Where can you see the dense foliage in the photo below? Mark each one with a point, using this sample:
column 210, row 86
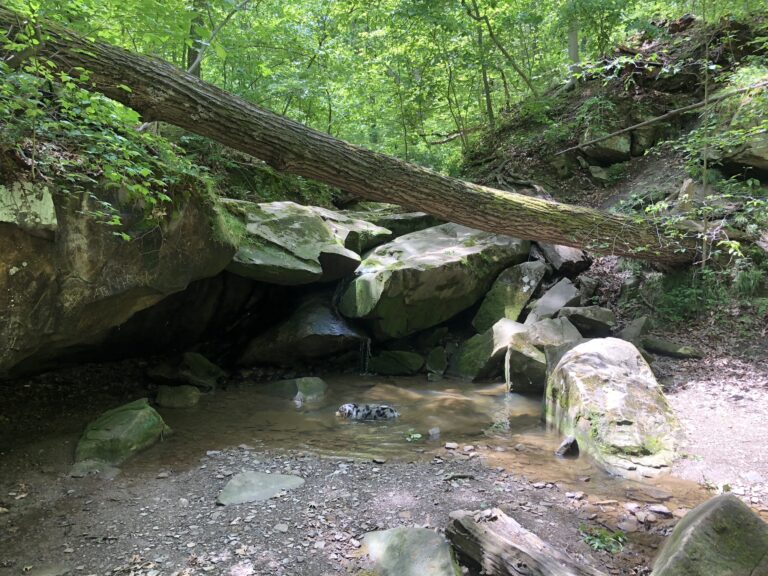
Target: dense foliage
column 415, row 78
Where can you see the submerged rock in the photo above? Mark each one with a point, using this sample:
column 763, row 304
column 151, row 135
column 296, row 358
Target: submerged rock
column 604, row 394
column 410, row 552
column 721, row 537
column 396, row 363
column 177, row 396
column 256, row 487
column 121, row 432
column 308, row 388
column 509, row 294
column 422, row 279
column 288, row 244
column 314, row 330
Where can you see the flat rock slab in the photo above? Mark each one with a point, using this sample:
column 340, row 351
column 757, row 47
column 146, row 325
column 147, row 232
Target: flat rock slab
column 256, row 487
column 562, row 294
column 410, row 552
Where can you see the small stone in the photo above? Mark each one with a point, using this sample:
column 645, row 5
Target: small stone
column 575, row 495
column 379, row 460
column 68, row 550
column 319, row 545
column 191, row 544
column 660, row 510
column 680, row 512
column 183, row 502
column 539, row 485
column 3, row 510
column 469, row 448
column 162, row 475
column 650, row 518
column 282, row 528
column 629, row 525
column 451, row 445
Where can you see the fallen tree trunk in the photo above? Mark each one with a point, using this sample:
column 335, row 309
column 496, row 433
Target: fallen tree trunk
column 161, row 92
column 502, row 547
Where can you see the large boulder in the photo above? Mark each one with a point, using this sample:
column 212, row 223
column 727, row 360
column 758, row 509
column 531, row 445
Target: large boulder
column 288, row 244
column 410, row 552
column 313, row 330
column 66, row 280
column 422, row 279
column 609, row 151
column 604, row 394
column 509, row 294
column 121, row 432
column 356, row 233
column 721, row 537
column 590, row 320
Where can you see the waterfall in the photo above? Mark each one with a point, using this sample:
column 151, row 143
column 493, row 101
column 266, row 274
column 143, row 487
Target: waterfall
column 507, row 370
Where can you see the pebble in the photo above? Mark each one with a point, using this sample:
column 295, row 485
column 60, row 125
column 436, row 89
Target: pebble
column 451, row 445
column 575, row 495
column 539, row 485
column 281, row 528
column 469, row 448
column 163, row 475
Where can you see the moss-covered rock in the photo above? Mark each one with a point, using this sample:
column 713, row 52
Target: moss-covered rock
column 509, row 294
column 422, row 279
column 668, row 348
column 288, row 244
column 437, row 361
column 396, row 363
column 121, row 432
column 721, row 537
column 314, row 330
column 604, row 394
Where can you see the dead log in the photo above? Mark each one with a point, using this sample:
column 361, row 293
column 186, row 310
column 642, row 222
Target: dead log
column 502, row 547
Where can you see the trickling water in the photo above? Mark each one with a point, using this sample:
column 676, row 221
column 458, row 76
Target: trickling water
column 508, row 369
column 365, row 355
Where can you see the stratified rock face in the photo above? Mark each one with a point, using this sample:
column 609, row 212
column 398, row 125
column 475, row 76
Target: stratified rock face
column 410, row 552
column 313, row 331
column 422, row 279
column 121, row 432
column 69, row 289
column 288, row 244
column 509, row 294
column 604, row 394
column 721, row 537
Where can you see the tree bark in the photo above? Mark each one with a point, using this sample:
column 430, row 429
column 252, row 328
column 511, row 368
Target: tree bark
column 160, row 91
column 502, row 547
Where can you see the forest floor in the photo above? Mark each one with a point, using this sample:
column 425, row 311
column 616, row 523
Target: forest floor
column 162, row 519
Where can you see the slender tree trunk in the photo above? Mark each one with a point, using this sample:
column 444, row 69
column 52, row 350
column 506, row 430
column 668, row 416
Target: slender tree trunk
column 484, row 72
column 194, row 48
column 160, row 91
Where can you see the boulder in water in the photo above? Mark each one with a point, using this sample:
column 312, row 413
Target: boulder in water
column 396, row 363
column 604, row 394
